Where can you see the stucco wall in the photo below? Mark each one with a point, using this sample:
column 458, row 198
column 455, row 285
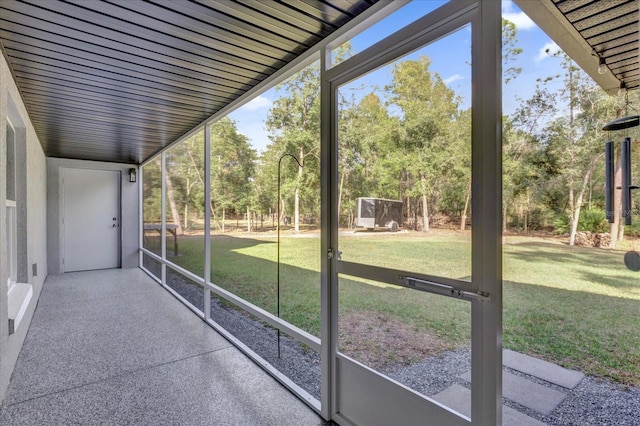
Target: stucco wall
column 129, row 224
column 32, row 190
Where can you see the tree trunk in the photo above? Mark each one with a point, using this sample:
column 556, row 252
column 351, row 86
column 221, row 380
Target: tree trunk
column 573, row 224
column 296, row 210
column 463, row 222
column 425, row 205
column 526, row 215
column 282, row 211
column 186, row 215
column 172, row 204
column 340, row 196
column 248, row 220
column 504, row 216
column 223, row 219
column 296, row 201
column 197, row 169
column 578, row 205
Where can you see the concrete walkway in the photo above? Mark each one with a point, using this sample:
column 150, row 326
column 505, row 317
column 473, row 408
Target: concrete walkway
column 113, row 347
column 534, row 384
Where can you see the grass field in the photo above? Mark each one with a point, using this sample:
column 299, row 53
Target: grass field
column 579, row 307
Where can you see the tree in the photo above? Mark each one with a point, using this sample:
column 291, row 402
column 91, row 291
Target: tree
column 363, row 129
column 185, row 180
column 421, row 148
column 526, row 166
column 576, row 141
column 233, row 163
column 294, row 126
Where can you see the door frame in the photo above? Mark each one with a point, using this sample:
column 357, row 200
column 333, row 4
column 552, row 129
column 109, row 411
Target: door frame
column 486, row 316
column 61, row 216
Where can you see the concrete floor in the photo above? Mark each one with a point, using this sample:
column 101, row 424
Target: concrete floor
column 113, row 347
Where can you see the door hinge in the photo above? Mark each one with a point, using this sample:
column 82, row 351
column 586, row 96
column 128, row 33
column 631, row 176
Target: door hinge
column 330, row 254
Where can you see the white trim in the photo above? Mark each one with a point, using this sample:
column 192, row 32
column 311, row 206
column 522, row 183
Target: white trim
column 282, row 378
column 140, row 214
column 207, row 219
column 12, row 243
column 355, row 30
column 19, row 296
column 163, row 216
column 297, row 333
column 11, row 212
column 328, row 240
column 486, row 200
column 446, row 19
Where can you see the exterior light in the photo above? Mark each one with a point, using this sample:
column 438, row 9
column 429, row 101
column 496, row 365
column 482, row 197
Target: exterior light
column 132, row 175
column 602, row 65
column 622, row 89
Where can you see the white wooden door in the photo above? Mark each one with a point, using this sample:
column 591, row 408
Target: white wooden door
column 90, row 219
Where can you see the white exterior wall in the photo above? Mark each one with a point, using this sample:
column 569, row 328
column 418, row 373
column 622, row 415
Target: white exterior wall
column 32, row 186
column 129, row 200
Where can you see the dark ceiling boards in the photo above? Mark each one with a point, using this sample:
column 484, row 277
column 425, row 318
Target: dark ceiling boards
column 119, row 80
column 610, row 27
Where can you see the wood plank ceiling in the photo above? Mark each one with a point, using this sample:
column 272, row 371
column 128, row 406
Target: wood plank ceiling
column 611, row 29
column 119, row 80
column 588, row 30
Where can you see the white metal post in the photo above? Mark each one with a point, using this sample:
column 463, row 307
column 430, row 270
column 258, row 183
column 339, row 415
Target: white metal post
column 486, row 324
column 163, row 216
column 140, row 216
column 328, row 245
column 207, row 219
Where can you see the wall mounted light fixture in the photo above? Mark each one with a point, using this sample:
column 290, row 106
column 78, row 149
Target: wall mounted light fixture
column 132, row 175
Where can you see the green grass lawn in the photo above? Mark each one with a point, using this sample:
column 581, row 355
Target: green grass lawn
column 575, row 306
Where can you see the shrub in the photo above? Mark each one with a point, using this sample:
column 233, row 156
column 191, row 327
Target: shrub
column 591, row 220
column 561, row 224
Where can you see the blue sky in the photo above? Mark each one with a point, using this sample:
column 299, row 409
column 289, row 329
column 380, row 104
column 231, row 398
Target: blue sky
column 450, row 58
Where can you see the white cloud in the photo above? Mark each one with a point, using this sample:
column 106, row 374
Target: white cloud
column 256, row 103
column 256, row 133
column 453, row 78
column 519, row 18
column 547, row 50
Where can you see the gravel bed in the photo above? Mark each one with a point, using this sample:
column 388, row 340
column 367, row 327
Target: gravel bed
column 297, row 362
column 594, row 402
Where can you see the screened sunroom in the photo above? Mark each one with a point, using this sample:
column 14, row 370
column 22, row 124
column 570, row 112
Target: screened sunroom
column 181, row 183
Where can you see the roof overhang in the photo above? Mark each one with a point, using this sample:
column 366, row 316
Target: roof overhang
column 120, row 81
column 589, row 29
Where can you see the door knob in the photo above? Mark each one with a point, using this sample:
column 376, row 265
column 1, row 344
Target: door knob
column 115, row 218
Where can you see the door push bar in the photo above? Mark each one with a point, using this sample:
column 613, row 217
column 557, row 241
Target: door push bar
column 444, row 289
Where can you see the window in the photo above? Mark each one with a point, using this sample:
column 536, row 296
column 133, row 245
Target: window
column 10, row 203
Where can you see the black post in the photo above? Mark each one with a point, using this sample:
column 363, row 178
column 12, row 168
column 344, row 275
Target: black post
column 609, row 183
column 625, row 158
column 278, row 244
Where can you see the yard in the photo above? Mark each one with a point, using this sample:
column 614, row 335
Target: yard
column 574, row 306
